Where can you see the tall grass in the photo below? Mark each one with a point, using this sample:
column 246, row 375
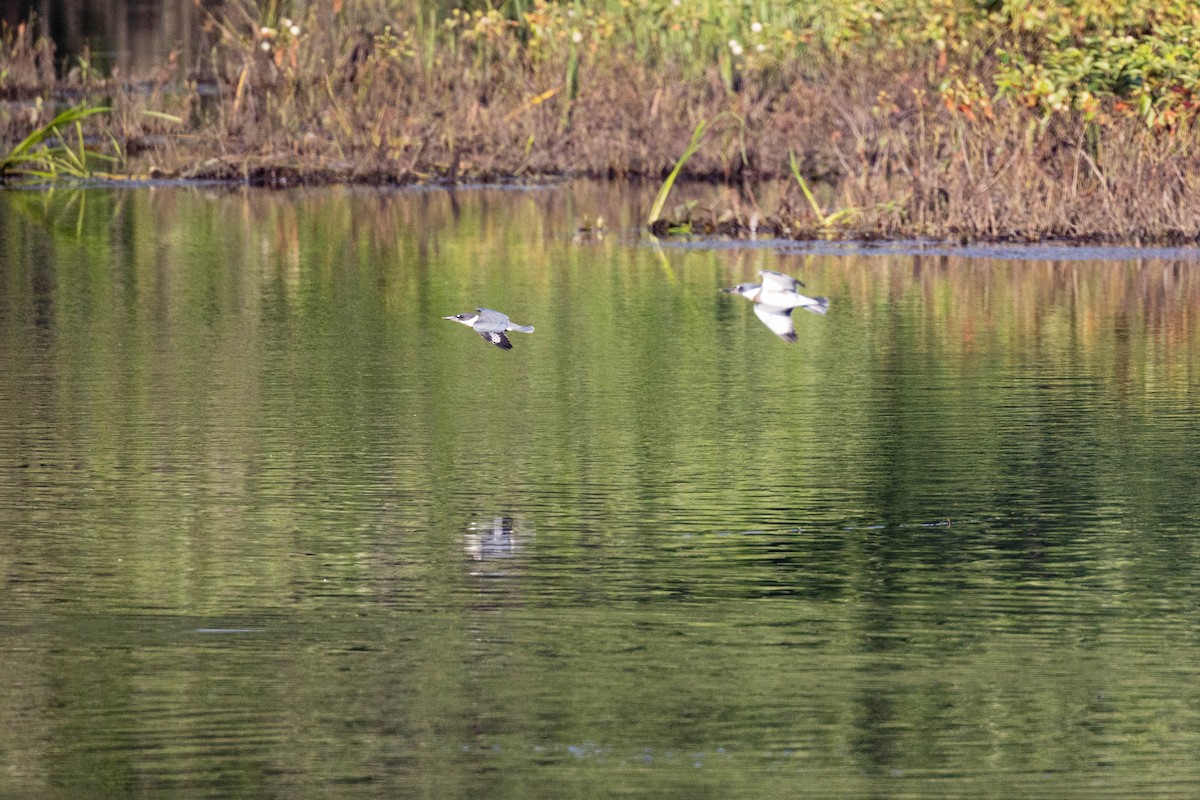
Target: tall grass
column 664, row 191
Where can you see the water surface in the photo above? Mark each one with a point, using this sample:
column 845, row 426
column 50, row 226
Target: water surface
column 269, row 526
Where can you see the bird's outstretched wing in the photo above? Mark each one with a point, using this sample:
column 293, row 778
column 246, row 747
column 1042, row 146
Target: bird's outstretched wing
column 497, row 338
column 778, row 282
column 779, row 320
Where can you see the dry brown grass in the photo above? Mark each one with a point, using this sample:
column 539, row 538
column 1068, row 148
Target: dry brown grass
column 903, row 164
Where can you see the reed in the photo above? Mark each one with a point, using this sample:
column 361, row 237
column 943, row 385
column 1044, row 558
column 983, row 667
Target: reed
column 46, row 154
column 664, row 191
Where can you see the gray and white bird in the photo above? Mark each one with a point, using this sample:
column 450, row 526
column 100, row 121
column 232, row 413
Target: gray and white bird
column 491, row 325
column 774, row 300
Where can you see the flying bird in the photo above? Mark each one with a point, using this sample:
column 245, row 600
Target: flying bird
column 774, row 300
column 491, row 325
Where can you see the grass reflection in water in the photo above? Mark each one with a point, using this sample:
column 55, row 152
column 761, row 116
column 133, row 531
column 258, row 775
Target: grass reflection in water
column 270, row 526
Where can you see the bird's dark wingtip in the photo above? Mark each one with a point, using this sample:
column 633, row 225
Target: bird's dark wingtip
column 498, row 339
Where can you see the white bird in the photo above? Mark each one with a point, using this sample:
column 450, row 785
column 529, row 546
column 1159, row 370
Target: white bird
column 491, row 325
column 774, row 300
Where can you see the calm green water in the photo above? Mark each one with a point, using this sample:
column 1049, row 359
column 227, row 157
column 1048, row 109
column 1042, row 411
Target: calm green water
column 270, row 527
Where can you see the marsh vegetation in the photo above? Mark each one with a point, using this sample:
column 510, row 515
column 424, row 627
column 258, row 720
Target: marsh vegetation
column 943, row 118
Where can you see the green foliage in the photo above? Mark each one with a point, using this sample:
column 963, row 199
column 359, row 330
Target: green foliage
column 46, row 155
column 1153, row 76
column 1104, row 60
column 661, row 199
column 1100, row 58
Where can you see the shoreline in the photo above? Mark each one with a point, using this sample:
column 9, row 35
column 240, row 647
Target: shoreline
column 729, row 233
column 1122, row 204
column 934, row 137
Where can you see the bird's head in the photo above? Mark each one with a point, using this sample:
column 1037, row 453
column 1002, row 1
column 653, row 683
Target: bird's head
column 744, row 289
column 467, row 318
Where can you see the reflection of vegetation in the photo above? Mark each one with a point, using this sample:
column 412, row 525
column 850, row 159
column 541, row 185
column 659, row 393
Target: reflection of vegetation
column 237, row 408
column 315, row 298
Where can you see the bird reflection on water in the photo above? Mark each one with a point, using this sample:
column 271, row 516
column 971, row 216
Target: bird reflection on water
column 496, row 539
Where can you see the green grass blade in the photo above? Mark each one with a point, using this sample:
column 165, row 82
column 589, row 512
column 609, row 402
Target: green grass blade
column 661, row 199
column 845, row 213
column 66, row 117
column 30, row 152
column 163, row 115
column 822, row 220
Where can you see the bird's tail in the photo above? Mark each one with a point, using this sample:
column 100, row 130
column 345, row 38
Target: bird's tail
column 522, row 328
column 817, row 305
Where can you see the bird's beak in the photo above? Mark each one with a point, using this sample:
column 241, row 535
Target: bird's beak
column 450, row 317
column 730, row 290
